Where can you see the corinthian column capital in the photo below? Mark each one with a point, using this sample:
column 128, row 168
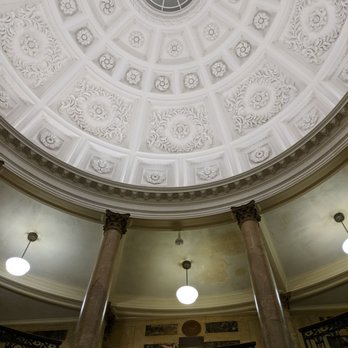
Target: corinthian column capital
column 116, row 221
column 246, row 212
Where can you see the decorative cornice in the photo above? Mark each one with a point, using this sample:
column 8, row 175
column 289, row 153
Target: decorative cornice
column 305, row 158
column 116, row 221
column 246, row 212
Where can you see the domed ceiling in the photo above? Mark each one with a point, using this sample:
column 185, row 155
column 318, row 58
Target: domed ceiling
column 170, row 93
column 161, row 104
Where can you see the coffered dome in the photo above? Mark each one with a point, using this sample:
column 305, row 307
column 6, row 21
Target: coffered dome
column 164, row 94
column 174, row 111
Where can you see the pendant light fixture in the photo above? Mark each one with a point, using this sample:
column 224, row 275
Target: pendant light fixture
column 187, row 294
column 339, row 217
column 18, row 266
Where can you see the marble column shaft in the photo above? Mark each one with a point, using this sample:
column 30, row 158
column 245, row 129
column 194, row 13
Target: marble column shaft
column 269, row 308
column 89, row 327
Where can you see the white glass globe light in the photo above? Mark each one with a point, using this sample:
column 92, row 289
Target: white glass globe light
column 345, row 246
column 187, row 294
column 17, row 266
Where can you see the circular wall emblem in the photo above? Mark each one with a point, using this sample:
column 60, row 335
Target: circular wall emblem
column 191, row 328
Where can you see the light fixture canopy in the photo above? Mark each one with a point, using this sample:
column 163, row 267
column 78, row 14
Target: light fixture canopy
column 179, row 240
column 18, row 266
column 187, row 294
column 339, row 217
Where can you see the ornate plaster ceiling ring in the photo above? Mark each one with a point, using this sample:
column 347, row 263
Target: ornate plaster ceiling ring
column 168, row 5
column 168, row 12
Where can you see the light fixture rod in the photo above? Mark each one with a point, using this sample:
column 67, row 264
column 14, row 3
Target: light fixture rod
column 186, row 265
column 25, row 250
column 32, row 237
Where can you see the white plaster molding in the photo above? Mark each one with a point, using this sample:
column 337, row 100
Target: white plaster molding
column 263, row 182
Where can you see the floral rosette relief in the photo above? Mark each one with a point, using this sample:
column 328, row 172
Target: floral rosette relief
column 208, row 173
column 107, row 6
column 155, row 177
column 308, row 121
column 260, row 154
column 30, row 45
column 259, row 98
column 315, row 27
column 4, row 100
column 178, row 130
column 101, row 165
column 50, row 140
column 68, row 7
column 97, row 111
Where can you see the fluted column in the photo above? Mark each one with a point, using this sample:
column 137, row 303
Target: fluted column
column 274, row 330
column 88, row 332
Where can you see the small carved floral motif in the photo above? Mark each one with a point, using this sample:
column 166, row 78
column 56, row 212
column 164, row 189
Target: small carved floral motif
column 30, row 45
column 101, row 166
column 136, row 39
column 261, row 154
column 107, row 6
column 162, row 83
column 308, row 121
column 261, row 20
column 318, row 19
column 191, row 80
column 155, row 177
column 243, row 49
column 180, row 130
column 68, row 7
column 177, row 130
column 107, row 61
column 175, row 48
column 4, row 100
column 208, row 173
column 49, row 139
column 133, row 76
column 259, row 99
column 84, row 36
column 97, row 111
column 211, row 31
column 218, row 69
